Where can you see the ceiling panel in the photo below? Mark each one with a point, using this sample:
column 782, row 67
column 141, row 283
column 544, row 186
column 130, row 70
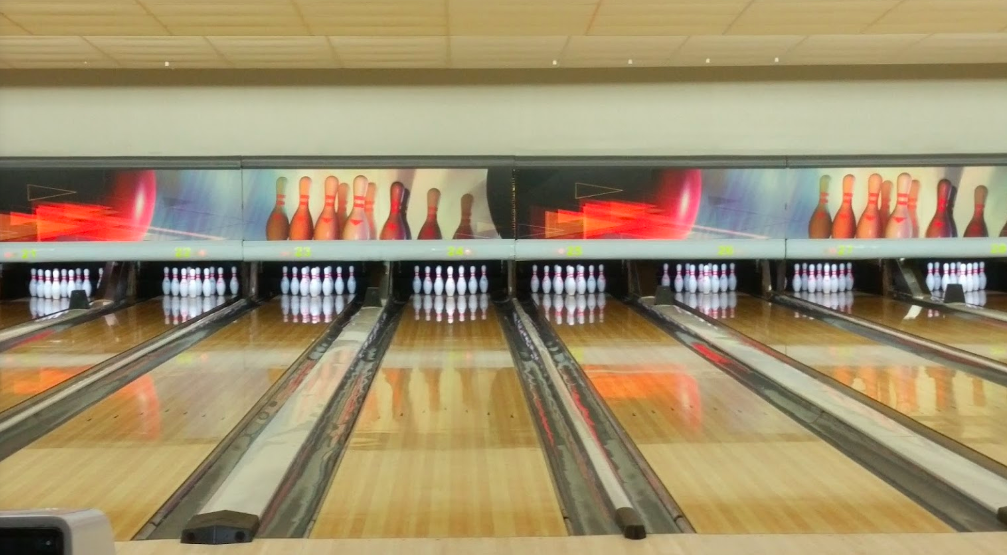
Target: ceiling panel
column 498, row 33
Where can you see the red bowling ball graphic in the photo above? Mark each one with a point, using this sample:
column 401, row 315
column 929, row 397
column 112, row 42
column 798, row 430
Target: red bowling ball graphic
column 678, row 193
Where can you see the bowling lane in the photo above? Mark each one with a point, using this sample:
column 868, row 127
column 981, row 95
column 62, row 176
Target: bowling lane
column 444, row 445
column 14, row 312
column 128, row 453
column 993, row 300
column 733, row 462
column 968, row 334
column 965, row 408
column 31, row 368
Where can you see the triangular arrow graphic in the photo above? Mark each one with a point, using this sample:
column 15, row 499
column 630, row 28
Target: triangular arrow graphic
column 587, row 190
column 41, row 192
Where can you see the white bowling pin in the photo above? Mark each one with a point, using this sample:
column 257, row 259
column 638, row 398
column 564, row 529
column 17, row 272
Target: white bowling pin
column 438, row 282
column 714, row 279
column 87, row 282
column 982, row 278
column 208, row 284
column 428, row 284
column 195, row 283
column 826, row 282
column 557, row 280
column 219, row 287
column 692, row 284
column 849, row 278
column 64, row 290
column 174, row 282
column 285, row 282
column 165, row 283
column 473, row 284
column 796, row 282
column 295, row 283
column 79, row 284
column 581, row 282
column 46, row 284
column 340, row 285
column 327, row 281
column 183, row 285
column 592, row 283
column 679, row 281
column 315, row 285
column 930, row 276
column 449, row 286
column 305, row 281
column 570, row 284
column 546, row 282
column 812, row 284
column 351, row 283
column 665, row 278
column 461, row 286
column 484, row 285
column 602, row 282
column 835, row 279
column 417, row 282
column 233, row 284
column 723, row 277
column 534, row 278
column 33, row 284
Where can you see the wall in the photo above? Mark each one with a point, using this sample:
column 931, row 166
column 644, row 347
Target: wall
column 683, row 112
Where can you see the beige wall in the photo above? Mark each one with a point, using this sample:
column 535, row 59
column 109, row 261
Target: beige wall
column 774, row 111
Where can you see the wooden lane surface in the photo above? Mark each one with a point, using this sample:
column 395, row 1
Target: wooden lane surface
column 14, row 312
column 128, row 453
column 978, row 543
column 995, row 301
column 965, row 408
column 444, row 446
column 734, row 463
column 33, row 367
column 974, row 336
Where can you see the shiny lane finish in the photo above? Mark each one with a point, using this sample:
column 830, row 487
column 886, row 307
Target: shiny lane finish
column 967, row 409
column 445, row 445
column 963, row 332
column 34, row 367
column 733, row 462
column 127, row 454
column 14, row 312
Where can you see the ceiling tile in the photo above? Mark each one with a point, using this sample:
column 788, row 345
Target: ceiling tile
column 943, row 16
column 606, row 51
column 809, row 16
column 520, row 17
column 370, row 17
column 849, row 49
column 28, row 51
column 734, row 49
column 505, row 51
column 390, row 52
column 958, row 48
column 655, row 17
column 8, row 27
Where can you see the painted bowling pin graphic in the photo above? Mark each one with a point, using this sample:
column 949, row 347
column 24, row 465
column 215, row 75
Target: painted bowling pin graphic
column 914, row 197
column 301, row 226
column 405, row 213
column 326, row 227
column 820, row 225
column 844, row 225
column 277, row 226
column 356, row 223
column 464, row 230
column 431, row 229
column 341, row 198
column 977, row 225
column 951, row 210
column 900, row 224
column 940, row 225
column 394, row 228
column 870, row 220
column 372, row 227
column 885, row 208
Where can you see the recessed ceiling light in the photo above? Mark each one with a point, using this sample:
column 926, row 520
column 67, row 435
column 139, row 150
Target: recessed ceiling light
column 708, row 60
column 630, row 61
column 167, row 64
column 555, row 62
column 85, row 62
column 776, row 60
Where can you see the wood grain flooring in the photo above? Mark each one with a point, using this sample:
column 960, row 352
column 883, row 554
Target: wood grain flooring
column 733, row 462
column 127, row 454
column 445, row 445
column 14, row 312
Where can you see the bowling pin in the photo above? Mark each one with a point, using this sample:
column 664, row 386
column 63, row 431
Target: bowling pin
column 63, row 288
column 484, row 285
column 796, row 282
column 546, row 282
column 208, row 284
column 339, row 286
column 900, row 226
column 914, row 195
column 220, row 288
column 691, row 283
column 431, row 229
column 325, row 227
column 183, row 286
column 175, row 285
column 372, row 226
column 394, row 229
column 844, row 225
column 277, row 226
column 570, row 284
column 285, row 282
column 295, row 283
column 464, row 230
column 665, row 278
column 870, row 219
column 33, row 284
column 315, row 285
column 820, row 224
column 723, row 277
column 982, row 276
column 449, row 283
column 417, row 282
column 79, row 284
column 472, row 282
column 835, row 279
column 602, row 282
column 714, row 279
column 930, row 276
column 940, row 226
column 301, row 225
column 849, row 276
column 460, row 286
column 946, row 277
column 557, row 280
column 195, row 283
column 406, row 193
column 438, row 281
column 233, row 284
column 977, row 225
column 534, row 278
column 581, row 282
column 87, row 282
column 327, row 281
column 305, row 281
column 428, row 284
column 165, row 283
column 885, row 209
column 356, row 223
column 812, row 280
column 732, row 279
column 341, row 198
column 679, row 281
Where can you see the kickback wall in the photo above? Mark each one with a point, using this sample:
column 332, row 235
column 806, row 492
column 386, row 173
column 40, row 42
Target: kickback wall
column 677, row 112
